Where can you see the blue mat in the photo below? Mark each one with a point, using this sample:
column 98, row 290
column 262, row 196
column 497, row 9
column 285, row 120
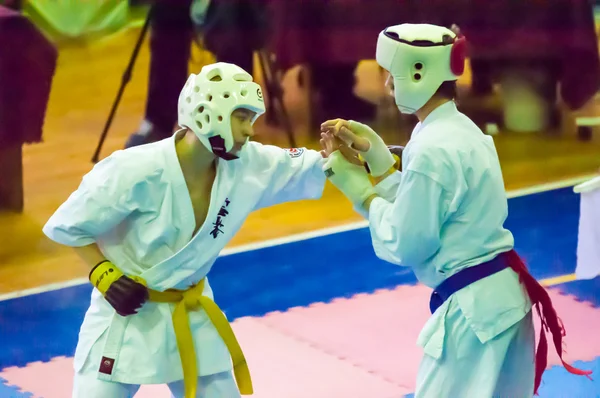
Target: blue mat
column 12, row 392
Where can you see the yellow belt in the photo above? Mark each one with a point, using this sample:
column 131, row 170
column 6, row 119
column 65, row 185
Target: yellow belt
column 397, row 164
column 192, row 300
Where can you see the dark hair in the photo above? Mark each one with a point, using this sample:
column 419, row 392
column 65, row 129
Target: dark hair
column 447, row 90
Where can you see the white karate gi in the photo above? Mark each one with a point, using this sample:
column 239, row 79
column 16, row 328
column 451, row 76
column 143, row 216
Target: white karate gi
column 588, row 243
column 445, row 212
column 135, row 205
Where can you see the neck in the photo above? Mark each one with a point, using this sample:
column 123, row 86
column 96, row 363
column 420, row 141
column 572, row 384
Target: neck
column 430, row 106
column 195, row 159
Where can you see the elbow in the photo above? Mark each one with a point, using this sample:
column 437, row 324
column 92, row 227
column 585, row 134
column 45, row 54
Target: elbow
column 53, row 231
column 389, row 257
column 410, row 252
column 418, row 250
column 387, row 251
column 67, row 236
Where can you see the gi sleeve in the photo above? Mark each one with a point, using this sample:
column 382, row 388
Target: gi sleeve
column 288, row 175
column 406, row 231
column 103, row 199
column 389, row 186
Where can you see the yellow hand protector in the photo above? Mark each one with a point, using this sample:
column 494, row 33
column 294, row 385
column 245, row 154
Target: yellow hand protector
column 104, row 274
column 124, row 294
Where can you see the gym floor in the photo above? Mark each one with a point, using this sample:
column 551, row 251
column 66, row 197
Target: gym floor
column 310, row 312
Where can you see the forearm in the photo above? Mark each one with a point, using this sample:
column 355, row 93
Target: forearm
column 90, row 254
column 292, row 177
column 367, row 203
column 125, row 294
column 383, row 189
column 407, row 231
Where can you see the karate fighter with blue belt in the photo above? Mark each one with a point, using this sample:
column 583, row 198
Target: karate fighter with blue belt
column 443, row 216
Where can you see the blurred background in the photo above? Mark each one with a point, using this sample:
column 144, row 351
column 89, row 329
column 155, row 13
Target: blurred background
column 532, row 80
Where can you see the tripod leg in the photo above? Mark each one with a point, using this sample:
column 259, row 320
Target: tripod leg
column 124, row 80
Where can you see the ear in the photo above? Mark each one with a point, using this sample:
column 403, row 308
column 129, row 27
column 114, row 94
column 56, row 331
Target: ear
column 458, row 56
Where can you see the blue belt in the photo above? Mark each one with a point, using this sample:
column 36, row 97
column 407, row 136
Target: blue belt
column 464, row 278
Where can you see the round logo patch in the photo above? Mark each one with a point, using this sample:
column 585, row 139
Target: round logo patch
column 295, row 152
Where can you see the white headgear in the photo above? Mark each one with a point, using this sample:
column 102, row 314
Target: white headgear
column 208, row 99
column 420, row 57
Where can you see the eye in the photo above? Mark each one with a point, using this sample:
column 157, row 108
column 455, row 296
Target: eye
column 390, row 87
column 245, row 118
column 389, row 83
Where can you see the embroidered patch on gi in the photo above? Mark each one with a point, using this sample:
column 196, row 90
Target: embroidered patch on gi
column 329, row 172
column 106, row 365
column 295, row 152
column 218, row 224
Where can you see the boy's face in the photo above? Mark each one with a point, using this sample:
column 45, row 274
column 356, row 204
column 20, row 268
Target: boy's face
column 241, row 128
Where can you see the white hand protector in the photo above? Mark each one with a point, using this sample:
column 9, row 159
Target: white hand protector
column 352, row 180
column 378, row 157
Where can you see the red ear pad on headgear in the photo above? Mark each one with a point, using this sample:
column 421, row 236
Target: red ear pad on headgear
column 458, row 55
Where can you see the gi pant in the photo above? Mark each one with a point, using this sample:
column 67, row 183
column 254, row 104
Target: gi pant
column 502, row 367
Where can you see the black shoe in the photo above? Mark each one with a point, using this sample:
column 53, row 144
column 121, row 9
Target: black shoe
column 137, row 139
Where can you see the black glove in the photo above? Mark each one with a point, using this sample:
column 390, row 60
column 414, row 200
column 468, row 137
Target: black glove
column 124, row 294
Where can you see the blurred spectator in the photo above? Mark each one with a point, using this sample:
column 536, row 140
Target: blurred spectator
column 546, row 49
column 16, row 5
column 230, row 29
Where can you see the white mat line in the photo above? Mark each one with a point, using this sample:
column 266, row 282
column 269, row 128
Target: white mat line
column 299, row 237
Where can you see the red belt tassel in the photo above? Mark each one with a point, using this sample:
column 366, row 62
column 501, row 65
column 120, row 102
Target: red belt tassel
column 549, row 320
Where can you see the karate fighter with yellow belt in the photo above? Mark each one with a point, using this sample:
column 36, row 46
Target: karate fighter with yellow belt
column 151, row 220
